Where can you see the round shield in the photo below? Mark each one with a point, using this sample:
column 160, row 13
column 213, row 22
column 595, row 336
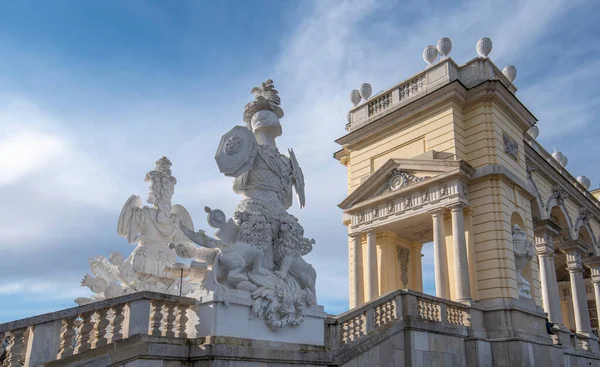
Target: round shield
column 236, row 151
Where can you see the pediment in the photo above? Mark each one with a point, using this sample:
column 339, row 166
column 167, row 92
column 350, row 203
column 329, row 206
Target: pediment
column 399, row 174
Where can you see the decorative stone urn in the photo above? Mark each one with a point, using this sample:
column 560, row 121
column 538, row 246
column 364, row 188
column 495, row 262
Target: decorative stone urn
column 524, row 252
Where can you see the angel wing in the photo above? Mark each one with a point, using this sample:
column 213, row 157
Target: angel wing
column 297, row 179
column 186, row 220
column 130, row 219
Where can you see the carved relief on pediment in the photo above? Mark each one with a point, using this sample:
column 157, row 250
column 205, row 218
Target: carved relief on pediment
column 397, row 179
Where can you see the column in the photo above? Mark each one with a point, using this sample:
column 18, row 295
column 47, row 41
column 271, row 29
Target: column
column 593, row 263
column 371, row 288
column 596, row 282
column 580, row 309
column 461, row 264
column 440, row 261
column 544, row 249
column 356, row 266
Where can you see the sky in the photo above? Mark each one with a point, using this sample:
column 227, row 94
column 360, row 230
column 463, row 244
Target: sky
column 93, row 93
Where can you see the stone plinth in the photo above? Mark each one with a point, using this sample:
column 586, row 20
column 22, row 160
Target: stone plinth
column 236, row 320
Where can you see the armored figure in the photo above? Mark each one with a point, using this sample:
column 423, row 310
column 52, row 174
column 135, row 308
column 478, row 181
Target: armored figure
column 152, row 229
column 260, row 249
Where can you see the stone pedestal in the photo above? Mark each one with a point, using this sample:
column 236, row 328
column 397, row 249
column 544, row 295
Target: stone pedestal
column 215, row 318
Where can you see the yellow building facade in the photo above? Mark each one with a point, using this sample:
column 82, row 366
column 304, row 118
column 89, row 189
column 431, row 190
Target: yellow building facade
column 448, row 158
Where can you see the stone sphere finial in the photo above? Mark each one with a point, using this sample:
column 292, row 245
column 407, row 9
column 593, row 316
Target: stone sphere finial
column 584, row 181
column 484, row 47
column 430, row 54
column 558, row 156
column 365, row 90
column 444, row 46
column 355, row 97
column 534, row 131
column 510, row 72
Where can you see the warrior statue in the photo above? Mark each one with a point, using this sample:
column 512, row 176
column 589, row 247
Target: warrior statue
column 152, row 229
column 261, row 248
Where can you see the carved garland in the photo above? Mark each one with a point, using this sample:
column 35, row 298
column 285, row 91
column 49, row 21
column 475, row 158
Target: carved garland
column 403, row 258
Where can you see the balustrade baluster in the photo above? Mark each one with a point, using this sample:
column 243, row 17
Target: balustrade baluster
column 182, row 321
column 84, row 333
column 67, row 336
column 101, row 328
column 156, row 318
column 117, row 322
column 15, row 351
column 170, row 318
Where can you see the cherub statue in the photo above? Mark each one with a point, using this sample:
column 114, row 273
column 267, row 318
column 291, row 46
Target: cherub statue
column 154, row 228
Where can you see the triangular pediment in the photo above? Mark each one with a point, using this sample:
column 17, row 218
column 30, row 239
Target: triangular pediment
column 398, row 174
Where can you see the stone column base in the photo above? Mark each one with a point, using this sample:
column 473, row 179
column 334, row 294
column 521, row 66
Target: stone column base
column 236, row 320
column 562, row 336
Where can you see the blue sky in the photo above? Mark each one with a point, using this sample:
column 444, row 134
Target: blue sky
column 93, row 93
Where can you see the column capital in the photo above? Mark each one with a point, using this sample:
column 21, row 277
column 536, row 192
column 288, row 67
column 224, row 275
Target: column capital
column 573, row 250
column 544, row 249
column 546, row 228
column 457, row 207
column 593, row 263
column 357, row 234
column 438, row 211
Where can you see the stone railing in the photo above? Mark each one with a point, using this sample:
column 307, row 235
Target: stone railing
column 560, row 169
column 361, row 323
column 432, row 78
column 380, row 103
column 45, row 338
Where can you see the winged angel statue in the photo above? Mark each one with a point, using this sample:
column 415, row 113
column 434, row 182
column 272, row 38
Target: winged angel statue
column 152, row 229
column 260, row 249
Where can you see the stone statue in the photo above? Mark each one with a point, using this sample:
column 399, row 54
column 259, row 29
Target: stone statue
column 524, row 252
column 260, row 249
column 152, row 229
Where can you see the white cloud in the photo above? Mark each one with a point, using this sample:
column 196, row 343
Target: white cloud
column 336, row 47
column 27, row 151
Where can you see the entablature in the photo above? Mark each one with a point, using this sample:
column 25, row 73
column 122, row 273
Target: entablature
column 403, row 188
column 538, row 159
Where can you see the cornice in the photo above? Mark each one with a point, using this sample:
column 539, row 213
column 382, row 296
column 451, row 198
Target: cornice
column 454, row 91
column 545, row 169
column 495, row 91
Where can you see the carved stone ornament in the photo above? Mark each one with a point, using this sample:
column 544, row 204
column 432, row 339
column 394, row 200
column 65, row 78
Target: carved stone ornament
column 558, row 194
column 258, row 251
column 425, row 196
column 375, row 212
column 523, row 251
column 361, row 217
column 236, row 151
column 443, row 190
column 408, row 202
column 510, row 146
column 152, row 229
column 583, row 216
column 530, row 167
column 403, row 259
column 397, row 179
column 390, row 207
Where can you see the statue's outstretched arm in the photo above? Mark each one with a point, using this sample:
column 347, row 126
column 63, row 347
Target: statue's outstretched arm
column 200, row 238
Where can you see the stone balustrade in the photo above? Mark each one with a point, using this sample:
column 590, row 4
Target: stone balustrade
column 560, row 169
column 401, row 305
column 430, row 79
column 45, row 338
